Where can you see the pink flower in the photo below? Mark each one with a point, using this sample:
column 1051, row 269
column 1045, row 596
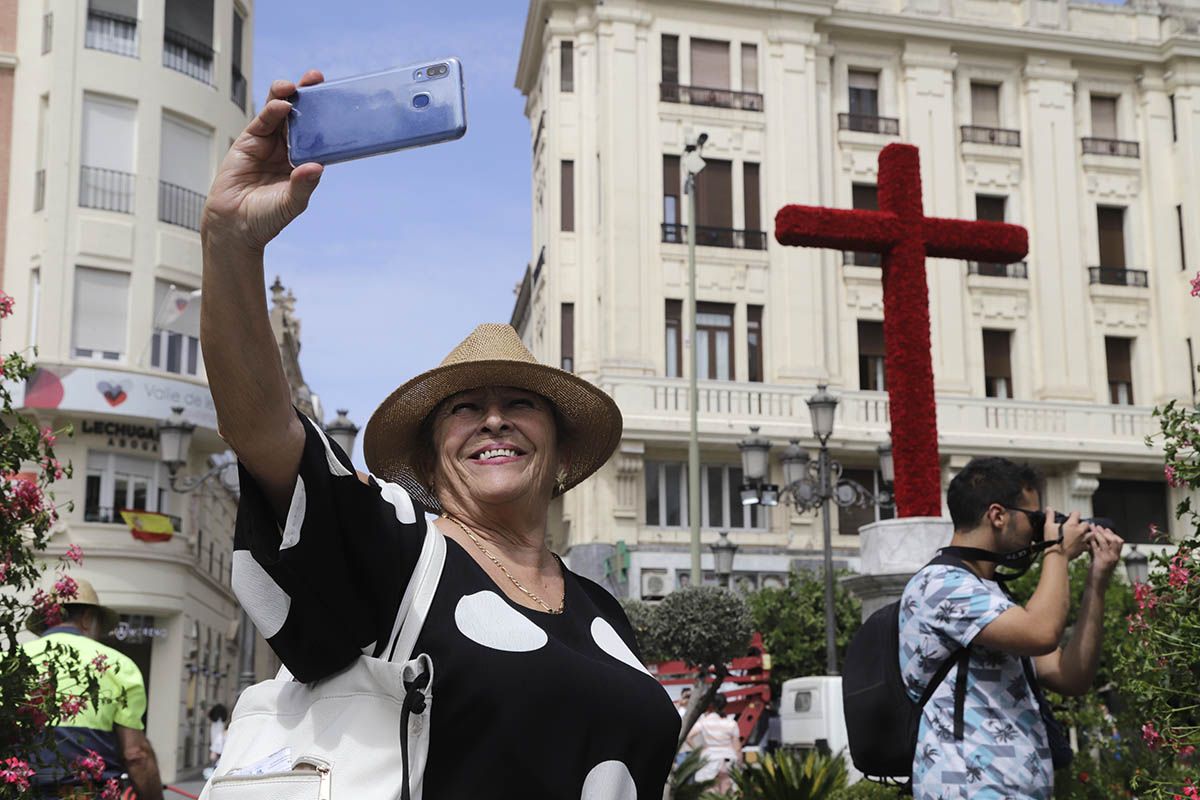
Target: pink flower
column 112, row 790
column 48, row 437
column 1187, row 751
column 89, row 767
column 1151, row 736
column 1196, row 285
column 1143, row 593
column 66, row 588
column 1178, row 577
column 1136, row 622
column 46, row 608
column 5, row 566
column 1172, row 478
column 71, row 705
column 53, row 468
column 15, row 771
column 100, row 664
column 24, row 498
column 6, row 305
column 74, row 553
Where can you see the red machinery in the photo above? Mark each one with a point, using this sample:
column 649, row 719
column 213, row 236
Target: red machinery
column 751, row 674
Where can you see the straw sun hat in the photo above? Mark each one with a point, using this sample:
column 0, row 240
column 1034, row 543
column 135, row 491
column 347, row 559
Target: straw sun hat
column 397, row 439
column 86, row 596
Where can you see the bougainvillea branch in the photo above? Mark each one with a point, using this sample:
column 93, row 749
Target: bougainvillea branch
column 905, row 236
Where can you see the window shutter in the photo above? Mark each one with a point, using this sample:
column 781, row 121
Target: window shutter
column 710, row 64
column 101, row 310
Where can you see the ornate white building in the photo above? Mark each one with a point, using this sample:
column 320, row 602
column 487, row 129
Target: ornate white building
column 121, row 112
column 1080, row 121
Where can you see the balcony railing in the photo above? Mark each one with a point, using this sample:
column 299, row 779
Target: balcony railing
column 1017, row 269
column 190, row 56
column 707, row 236
column 977, row 134
column 855, row 258
column 1110, row 147
column 179, row 206
column 47, row 31
column 237, row 89
column 1118, row 276
column 704, row 96
column 537, row 137
column 888, row 126
column 112, row 33
column 39, row 190
column 106, row 189
column 661, row 405
column 108, row 514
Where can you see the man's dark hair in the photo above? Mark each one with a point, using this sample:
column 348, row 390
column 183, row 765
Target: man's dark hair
column 218, row 712
column 984, row 481
column 718, row 703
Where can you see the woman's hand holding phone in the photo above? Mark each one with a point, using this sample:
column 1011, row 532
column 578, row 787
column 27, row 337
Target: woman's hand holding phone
column 257, row 192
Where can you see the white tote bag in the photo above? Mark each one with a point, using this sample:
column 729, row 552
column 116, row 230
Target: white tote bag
column 362, row 734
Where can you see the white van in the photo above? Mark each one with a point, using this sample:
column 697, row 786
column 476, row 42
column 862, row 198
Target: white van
column 811, row 717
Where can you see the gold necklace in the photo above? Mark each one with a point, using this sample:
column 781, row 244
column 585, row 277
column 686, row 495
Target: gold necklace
column 520, row 586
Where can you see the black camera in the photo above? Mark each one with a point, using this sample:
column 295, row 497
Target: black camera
column 1103, row 522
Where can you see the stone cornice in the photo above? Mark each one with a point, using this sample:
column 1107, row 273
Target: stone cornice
column 8, row 60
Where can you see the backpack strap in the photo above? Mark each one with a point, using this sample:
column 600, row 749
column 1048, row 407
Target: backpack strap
column 418, row 596
column 961, row 657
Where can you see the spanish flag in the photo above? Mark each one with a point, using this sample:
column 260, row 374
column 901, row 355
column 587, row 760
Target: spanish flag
column 149, row 526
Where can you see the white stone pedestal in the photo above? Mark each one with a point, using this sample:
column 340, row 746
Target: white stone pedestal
column 891, row 551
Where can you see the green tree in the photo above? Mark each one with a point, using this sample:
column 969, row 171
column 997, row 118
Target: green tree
column 792, row 622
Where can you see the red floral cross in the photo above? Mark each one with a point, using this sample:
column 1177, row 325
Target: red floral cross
column 905, row 236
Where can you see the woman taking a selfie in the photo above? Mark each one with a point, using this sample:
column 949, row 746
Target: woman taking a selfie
column 538, row 691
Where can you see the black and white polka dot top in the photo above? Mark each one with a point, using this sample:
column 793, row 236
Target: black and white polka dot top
column 528, row 704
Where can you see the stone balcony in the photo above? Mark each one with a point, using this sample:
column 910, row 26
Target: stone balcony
column 657, row 409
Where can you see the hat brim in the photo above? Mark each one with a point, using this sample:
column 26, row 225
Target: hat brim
column 393, row 443
column 109, row 619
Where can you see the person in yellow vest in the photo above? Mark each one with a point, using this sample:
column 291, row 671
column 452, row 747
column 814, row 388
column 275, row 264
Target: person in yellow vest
column 113, row 728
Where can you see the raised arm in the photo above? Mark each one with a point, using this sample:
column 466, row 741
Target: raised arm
column 255, row 194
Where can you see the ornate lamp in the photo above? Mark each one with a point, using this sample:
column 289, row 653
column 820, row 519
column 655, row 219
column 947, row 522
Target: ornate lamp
column 1137, row 566
column 174, row 440
column 822, row 406
column 342, row 431
column 723, row 552
column 887, row 467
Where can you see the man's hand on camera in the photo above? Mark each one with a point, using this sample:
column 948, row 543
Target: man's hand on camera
column 1075, row 533
column 1106, row 552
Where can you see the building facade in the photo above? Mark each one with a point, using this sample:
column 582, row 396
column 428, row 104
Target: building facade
column 121, row 111
column 1078, row 121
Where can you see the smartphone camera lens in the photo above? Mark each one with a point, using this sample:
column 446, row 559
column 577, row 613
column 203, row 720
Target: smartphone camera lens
column 420, row 100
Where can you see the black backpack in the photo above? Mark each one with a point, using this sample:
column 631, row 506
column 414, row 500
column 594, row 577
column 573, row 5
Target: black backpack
column 881, row 720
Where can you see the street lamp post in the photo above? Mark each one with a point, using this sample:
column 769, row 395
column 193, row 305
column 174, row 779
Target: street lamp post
column 723, row 552
column 692, row 164
column 1137, row 566
column 811, row 486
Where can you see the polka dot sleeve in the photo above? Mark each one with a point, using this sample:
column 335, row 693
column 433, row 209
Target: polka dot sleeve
column 324, row 586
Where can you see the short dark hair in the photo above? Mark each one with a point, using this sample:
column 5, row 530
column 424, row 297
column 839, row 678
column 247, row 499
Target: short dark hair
column 218, row 712
column 718, row 703
column 984, row 481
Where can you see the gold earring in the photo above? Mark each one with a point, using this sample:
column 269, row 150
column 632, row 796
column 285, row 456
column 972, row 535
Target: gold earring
column 560, row 481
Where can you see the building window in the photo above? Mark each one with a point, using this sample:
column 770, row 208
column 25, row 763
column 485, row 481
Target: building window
column 1118, row 353
column 112, row 26
column 854, row 517
column 670, row 58
column 116, row 481
column 864, row 196
column 710, row 64
column 567, row 195
column 864, row 93
column 671, row 189
column 1104, row 117
column 566, row 66
column 749, row 67
column 35, row 303
column 43, row 148
column 751, row 197
column 184, row 172
column 674, row 330
column 568, row 337
column 754, row 343
column 188, row 38
column 106, row 163
column 720, row 502
column 237, row 84
column 1110, row 222
column 1133, row 506
column 985, row 105
column 714, row 341
column 1174, row 120
column 175, row 342
column 1192, row 367
column 714, row 199
column 997, row 363
column 101, row 313
column 990, row 208
column 1182, row 247
column 871, row 356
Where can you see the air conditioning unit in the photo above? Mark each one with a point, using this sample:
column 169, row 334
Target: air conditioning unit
column 654, row 584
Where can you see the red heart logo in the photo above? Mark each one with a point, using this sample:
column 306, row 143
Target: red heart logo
column 114, row 393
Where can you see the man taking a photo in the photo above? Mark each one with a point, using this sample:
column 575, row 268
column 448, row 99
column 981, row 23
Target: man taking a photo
column 1003, row 749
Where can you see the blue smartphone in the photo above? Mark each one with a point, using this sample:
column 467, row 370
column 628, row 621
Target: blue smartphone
column 378, row 113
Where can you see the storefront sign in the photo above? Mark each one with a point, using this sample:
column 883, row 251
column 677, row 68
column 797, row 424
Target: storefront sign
column 131, row 435
column 113, row 391
column 124, row 632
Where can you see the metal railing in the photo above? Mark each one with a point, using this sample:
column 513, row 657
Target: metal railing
column 179, row 206
column 106, row 189
column 39, row 190
column 977, row 134
column 537, row 137
column 47, row 31
column 889, row 126
column 1017, row 269
column 108, row 514
column 707, row 236
column 858, row 258
column 537, row 268
column 237, row 89
column 1118, row 276
column 705, row 96
column 1111, row 147
column 112, row 33
column 190, row 56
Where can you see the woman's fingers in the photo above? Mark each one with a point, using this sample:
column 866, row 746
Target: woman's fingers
column 301, row 184
column 313, row 76
column 280, row 90
column 268, row 120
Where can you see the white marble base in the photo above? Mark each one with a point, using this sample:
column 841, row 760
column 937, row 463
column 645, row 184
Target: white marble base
column 891, row 551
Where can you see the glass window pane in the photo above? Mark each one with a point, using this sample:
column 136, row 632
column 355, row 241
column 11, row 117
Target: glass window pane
column 715, row 502
column 174, row 351
column 155, row 344
column 91, row 501
column 652, row 493
column 193, row 355
column 724, row 368
column 120, row 492
column 140, row 492
column 673, row 489
column 702, row 369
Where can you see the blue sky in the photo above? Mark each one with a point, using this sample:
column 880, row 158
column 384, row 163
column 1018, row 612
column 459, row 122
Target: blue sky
column 399, row 256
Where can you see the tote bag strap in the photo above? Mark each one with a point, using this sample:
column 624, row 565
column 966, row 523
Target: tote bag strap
column 418, row 596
